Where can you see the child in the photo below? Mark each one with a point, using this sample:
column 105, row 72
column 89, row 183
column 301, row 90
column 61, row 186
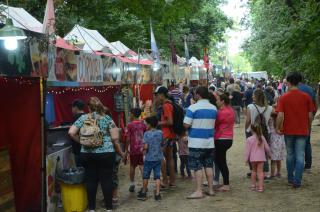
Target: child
column 277, row 146
column 135, row 131
column 183, row 155
column 153, row 156
column 256, row 149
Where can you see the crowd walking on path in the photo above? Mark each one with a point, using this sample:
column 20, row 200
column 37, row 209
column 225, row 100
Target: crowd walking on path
column 197, row 123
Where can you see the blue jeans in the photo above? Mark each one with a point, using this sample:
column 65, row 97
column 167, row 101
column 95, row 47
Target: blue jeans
column 295, row 157
column 308, row 152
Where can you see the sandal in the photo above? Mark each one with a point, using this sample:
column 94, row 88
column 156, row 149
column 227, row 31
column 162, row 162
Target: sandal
column 210, row 194
column 193, row 196
column 260, row 190
column 221, row 189
column 253, row 188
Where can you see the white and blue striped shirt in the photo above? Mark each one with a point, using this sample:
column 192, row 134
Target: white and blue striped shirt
column 201, row 116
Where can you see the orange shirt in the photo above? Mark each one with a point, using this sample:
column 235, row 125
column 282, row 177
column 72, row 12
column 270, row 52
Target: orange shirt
column 167, row 112
column 296, row 106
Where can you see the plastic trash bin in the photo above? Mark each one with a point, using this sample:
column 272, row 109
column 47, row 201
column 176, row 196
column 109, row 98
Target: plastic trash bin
column 73, row 191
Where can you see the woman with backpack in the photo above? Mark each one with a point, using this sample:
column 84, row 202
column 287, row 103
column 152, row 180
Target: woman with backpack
column 258, row 109
column 98, row 135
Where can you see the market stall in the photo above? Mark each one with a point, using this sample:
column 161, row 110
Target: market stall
column 20, row 140
column 23, row 63
column 52, row 73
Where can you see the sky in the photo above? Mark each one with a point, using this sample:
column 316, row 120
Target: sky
column 236, row 10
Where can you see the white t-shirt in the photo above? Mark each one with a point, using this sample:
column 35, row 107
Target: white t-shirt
column 254, row 113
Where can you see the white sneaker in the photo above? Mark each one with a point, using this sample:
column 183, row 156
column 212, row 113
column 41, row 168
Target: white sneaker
column 215, row 183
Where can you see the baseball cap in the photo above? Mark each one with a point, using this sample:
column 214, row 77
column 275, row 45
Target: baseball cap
column 161, row 90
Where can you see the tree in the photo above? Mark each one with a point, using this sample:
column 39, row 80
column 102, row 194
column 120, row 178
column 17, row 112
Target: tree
column 240, row 63
column 285, row 37
column 128, row 20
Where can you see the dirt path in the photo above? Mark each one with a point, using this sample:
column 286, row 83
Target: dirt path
column 277, row 197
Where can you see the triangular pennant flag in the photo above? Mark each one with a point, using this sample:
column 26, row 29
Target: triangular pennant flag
column 49, row 20
column 186, row 50
column 206, row 58
column 174, row 58
column 154, row 48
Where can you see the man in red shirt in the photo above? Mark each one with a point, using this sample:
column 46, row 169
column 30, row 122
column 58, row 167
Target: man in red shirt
column 295, row 110
column 169, row 136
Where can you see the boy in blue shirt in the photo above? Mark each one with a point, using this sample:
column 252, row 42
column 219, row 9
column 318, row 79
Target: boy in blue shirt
column 152, row 141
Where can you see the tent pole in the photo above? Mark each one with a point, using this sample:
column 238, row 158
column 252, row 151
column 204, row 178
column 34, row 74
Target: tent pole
column 43, row 146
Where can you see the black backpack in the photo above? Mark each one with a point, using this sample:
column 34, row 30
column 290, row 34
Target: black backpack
column 178, row 116
column 262, row 121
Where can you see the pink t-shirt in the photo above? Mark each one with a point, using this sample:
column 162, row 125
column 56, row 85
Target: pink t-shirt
column 254, row 151
column 224, row 123
column 183, row 146
column 135, row 131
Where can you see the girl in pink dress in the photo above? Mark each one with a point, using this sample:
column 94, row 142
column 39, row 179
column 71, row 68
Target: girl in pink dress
column 255, row 153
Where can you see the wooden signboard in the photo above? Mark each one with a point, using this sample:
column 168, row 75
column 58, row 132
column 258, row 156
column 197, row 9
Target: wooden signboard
column 6, row 189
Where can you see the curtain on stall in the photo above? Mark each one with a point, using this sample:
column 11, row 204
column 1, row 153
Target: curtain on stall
column 20, row 132
column 63, row 99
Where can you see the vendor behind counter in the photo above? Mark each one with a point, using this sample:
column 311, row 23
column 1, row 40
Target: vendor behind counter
column 78, row 111
column 58, row 136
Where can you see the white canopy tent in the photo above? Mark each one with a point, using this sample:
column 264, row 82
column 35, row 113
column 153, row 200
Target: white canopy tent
column 21, row 18
column 120, row 49
column 195, row 62
column 92, row 39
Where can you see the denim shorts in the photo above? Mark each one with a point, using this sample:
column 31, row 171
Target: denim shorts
column 149, row 166
column 200, row 158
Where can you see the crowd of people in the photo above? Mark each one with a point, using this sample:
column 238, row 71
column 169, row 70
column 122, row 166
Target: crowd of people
column 197, row 124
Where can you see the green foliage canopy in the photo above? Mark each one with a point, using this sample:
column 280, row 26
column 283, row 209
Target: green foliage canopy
column 285, row 37
column 128, row 20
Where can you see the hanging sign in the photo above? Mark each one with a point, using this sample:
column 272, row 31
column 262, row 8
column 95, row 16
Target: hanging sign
column 202, row 73
column 90, row 68
column 39, row 57
column 112, row 69
column 146, row 74
column 194, row 73
column 165, row 69
column 65, row 67
column 131, row 73
column 158, row 75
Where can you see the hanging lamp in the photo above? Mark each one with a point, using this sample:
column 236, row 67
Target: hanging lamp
column 11, row 34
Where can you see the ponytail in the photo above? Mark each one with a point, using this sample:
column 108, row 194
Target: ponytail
column 257, row 129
